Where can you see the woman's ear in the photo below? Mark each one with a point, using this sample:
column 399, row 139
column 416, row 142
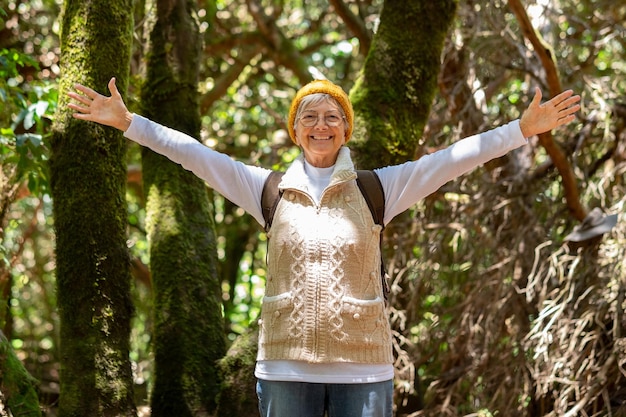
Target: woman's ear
column 295, row 138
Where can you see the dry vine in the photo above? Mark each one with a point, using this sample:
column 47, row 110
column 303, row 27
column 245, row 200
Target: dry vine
column 540, row 335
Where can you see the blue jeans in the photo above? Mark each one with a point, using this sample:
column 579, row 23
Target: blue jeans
column 303, row 399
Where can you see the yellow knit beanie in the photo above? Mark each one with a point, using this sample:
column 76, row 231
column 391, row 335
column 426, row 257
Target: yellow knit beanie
column 324, row 87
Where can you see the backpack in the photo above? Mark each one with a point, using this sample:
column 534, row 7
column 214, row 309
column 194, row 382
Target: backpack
column 369, row 185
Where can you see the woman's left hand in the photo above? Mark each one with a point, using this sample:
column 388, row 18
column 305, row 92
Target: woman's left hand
column 539, row 118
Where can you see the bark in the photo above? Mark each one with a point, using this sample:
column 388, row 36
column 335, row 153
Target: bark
column 188, row 333
column 394, row 92
column 88, row 180
column 238, row 395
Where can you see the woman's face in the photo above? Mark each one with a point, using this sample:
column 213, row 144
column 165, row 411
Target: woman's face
column 320, row 132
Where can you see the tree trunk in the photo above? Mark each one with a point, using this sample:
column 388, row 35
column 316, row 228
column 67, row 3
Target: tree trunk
column 238, row 395
column 188, row 334
column 394, row 92
column 88, row 178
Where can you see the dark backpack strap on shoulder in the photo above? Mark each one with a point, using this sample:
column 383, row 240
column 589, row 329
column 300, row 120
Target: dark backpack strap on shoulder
column 372, row 190
column 374, row 195
column 270, row 197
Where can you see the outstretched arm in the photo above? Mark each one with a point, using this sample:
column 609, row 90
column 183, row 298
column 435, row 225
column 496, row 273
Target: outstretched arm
column 539, row 118
column 93, row 106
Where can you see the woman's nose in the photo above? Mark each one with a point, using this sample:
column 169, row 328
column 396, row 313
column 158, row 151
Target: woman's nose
column 322, row 120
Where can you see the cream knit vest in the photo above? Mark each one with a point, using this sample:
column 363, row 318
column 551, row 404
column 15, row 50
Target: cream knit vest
column 323, row 297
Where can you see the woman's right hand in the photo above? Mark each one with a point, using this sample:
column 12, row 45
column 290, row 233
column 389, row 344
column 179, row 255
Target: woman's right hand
column 94, row 107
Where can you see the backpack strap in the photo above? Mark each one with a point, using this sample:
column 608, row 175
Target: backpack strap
column 374, row 195
column 270, row 196
column 372, row 191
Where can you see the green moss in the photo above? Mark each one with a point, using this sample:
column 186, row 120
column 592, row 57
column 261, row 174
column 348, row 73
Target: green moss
column 188, row 330
column 88, row 178
column 238, row 395
column 16, row 384
column 393, row 94
column 188, row 324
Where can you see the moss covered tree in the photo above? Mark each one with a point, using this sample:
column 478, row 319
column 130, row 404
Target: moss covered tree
column 394, row 92
column 18, row 389
column 188, row 334
column 88, row 178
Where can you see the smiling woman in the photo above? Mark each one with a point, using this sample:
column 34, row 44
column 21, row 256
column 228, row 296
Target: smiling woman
column 325, row 344
column 322, row 101
column 314, row 93
column 320, row 138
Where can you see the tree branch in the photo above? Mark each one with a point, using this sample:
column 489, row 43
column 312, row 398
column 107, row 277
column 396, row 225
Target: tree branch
column 286, row 53
column 354, row 24
column 548, row 60
column 226, row 79
column 542, row 49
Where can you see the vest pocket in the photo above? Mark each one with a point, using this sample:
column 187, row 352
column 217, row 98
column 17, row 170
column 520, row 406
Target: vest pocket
column 275, row 322
column 363, row 320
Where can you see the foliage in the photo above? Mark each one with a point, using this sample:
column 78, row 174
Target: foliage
column 24, row 135
column 32, row 28
column 25, row 124
column 28, row 98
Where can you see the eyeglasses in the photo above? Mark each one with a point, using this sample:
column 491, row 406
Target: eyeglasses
column 311, row 119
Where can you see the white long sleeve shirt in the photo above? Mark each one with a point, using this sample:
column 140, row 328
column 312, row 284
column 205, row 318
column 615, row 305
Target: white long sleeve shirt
column 404, row 185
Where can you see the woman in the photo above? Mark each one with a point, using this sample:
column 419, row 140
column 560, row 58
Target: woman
column 325, row 342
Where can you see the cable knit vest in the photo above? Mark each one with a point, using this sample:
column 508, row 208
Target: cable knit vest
column 323, row 297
